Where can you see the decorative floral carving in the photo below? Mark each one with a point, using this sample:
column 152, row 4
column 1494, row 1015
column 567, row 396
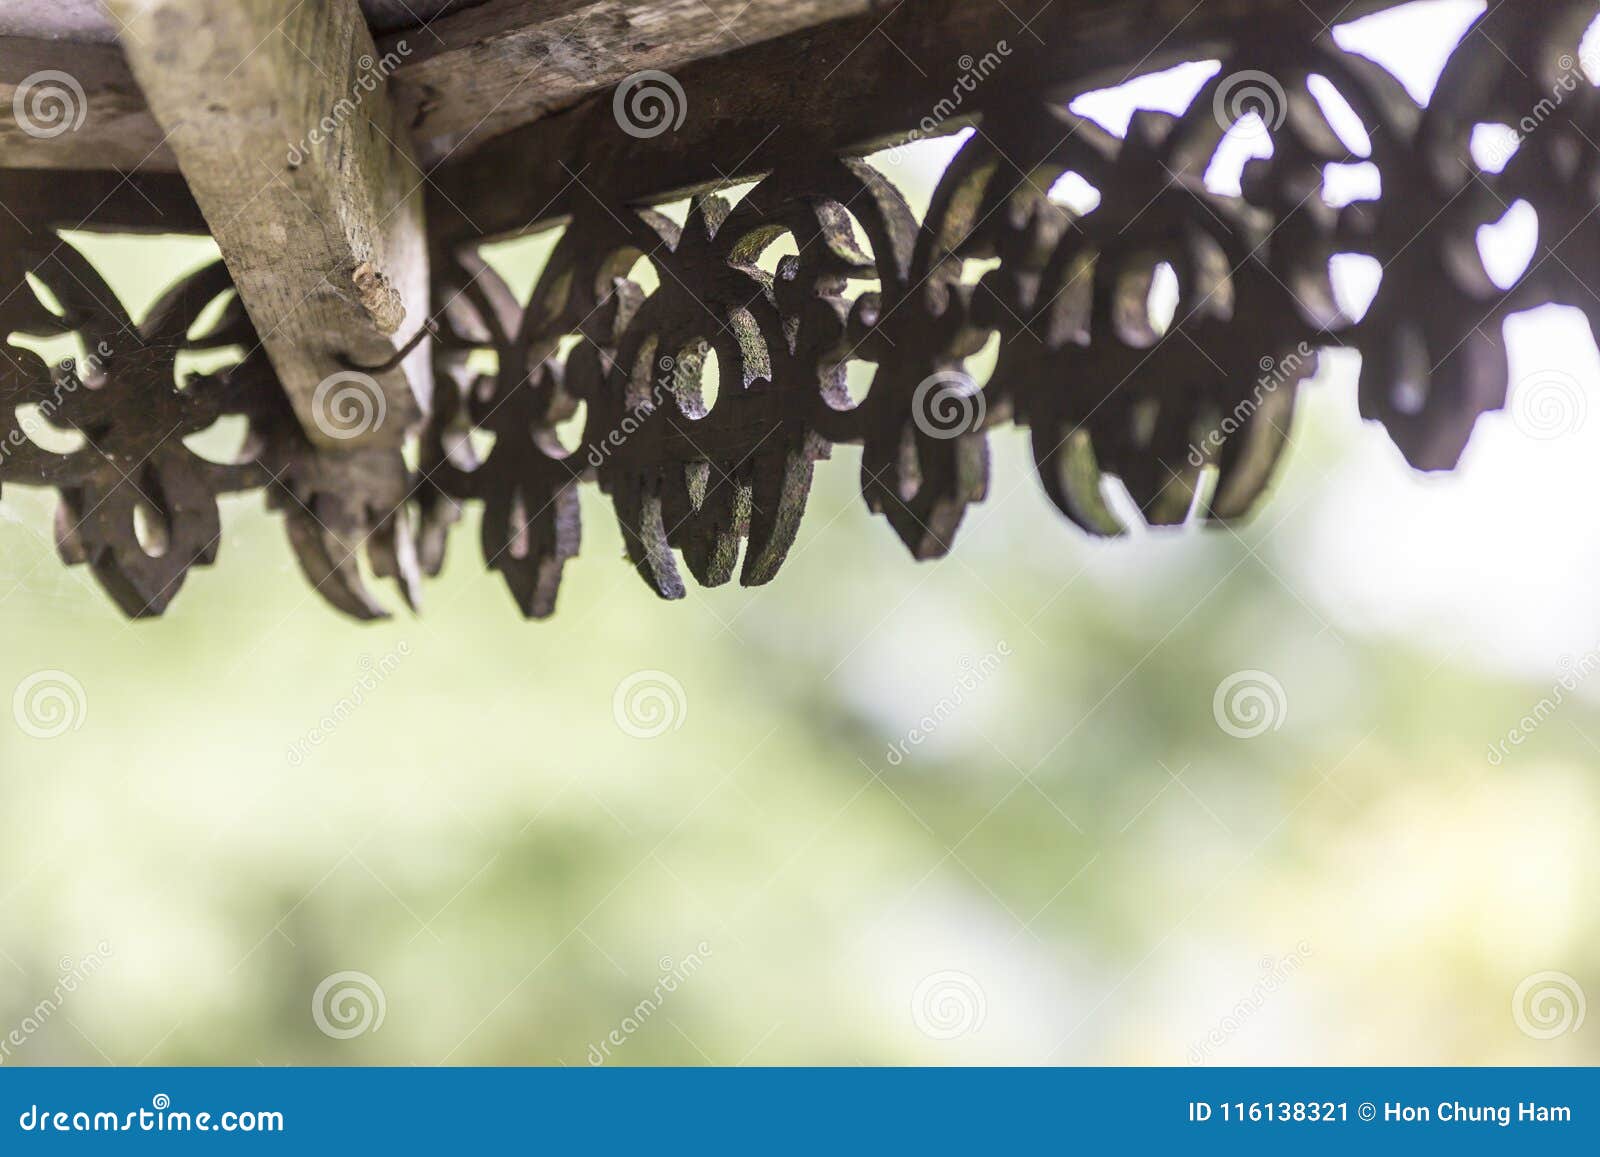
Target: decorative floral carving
column 138, row 506
column 1106, row 386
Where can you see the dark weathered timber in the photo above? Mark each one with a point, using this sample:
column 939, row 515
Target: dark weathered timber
column 98, row 201
column 1106, row 391
column 1189, row 414
column 856, row 84
column 116, row 129
column 476, row 74
column 87, row 20
column 465, row 72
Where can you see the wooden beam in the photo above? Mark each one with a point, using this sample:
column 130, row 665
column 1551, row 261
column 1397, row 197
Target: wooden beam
column 861, row 83
column 475, row 74
column 461, row 78
column 289, row 144
column 78, row 20
column 112, row 202
column 79, row 106
column 87, row 20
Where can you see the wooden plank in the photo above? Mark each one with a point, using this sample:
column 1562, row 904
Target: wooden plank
column 391, row 15
column 290, row 146
column 78, row 20
column 460, row 78
column 87, row 20
column 479, row 73
column 80, row 107
column 112, row 202
column 862, row 83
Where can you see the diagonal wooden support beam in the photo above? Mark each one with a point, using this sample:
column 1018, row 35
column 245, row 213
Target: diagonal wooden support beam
column 279, row 115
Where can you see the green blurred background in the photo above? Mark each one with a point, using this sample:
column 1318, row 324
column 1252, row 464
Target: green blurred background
column 1079, row 865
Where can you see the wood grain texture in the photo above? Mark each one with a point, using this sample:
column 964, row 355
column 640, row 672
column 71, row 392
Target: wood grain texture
column 463, row 77
column 862, row 83
column 114, row 128
column 478, row 73
column 79, row 20
column 248, row 91
column 88, row 20
column 699, row 479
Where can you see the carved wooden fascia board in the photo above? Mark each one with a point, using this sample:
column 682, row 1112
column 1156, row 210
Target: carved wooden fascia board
column 1191, row 417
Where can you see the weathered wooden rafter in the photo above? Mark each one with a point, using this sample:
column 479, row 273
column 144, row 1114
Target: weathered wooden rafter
column 1192, row 414
column 87, row 21
column 462, row 75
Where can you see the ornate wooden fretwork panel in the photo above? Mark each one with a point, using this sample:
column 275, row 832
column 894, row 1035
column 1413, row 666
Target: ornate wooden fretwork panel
column 1188, row 413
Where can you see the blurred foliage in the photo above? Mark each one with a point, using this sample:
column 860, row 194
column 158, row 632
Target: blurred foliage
column 1080, row 838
